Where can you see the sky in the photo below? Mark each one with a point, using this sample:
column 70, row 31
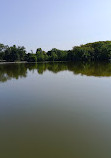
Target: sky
column 49, row 24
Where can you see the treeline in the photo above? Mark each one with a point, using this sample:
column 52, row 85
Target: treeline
column 97, row 51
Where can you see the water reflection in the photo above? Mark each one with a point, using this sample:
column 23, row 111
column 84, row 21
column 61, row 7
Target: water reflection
column 16, row 71
column 50, row 115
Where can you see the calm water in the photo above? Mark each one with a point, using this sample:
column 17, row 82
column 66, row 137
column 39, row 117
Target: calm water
column 60, row 110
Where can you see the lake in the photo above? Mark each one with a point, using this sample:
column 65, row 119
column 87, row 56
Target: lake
column 55, row 110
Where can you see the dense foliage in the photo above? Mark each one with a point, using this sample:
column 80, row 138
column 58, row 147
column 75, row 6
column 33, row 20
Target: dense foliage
column 97, row 51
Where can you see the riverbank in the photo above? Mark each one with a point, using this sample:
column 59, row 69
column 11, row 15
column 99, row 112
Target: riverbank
column 13, row 62
column 20, row 62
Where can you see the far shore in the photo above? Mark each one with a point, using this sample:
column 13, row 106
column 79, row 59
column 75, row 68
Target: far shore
column 20, row 62
column 5, row 62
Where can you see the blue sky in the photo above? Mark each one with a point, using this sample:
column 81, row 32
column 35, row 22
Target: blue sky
column 50, row 24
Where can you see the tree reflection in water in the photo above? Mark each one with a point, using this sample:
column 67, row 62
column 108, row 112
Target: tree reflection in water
column 20, row 70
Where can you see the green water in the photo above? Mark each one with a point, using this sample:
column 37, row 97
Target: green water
column 55, row 110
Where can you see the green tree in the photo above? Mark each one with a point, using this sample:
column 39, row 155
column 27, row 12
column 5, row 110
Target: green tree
column 31, row 57
column 40, row 55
